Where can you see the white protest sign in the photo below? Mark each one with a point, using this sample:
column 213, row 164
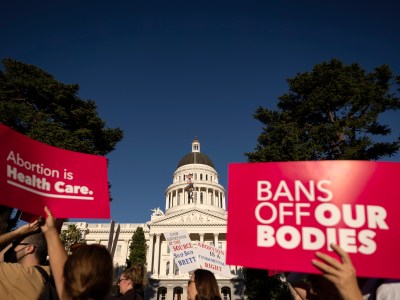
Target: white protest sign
column 212, row 259
column 182, row 249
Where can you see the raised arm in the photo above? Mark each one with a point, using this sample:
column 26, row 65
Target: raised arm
column 57, row 254
column 341, row 274
column 20, row 232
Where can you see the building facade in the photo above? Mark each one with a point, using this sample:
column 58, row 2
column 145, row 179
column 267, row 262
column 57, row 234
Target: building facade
column 194, row 201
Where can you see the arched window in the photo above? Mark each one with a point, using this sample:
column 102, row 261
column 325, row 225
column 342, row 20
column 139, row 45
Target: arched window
column 178, row 291
column 162, row 293
column 206, row 177
column 167, row 268
column 201, row 176
column 226, row 293
column 201, row 197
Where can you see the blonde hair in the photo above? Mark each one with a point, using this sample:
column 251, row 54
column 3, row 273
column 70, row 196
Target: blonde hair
column 137, row 274
column 88, row 273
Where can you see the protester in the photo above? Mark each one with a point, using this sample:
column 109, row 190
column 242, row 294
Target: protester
column 339, row 281
column 202, row 285
column 86, row 274
column 127, row 284
column 19, row 279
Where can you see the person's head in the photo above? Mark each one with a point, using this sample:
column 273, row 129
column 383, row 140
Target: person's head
column 30, row 250
column 139, row 276
column 75, row 246
column 125, row 281
column 88, row 273
column 202, row 285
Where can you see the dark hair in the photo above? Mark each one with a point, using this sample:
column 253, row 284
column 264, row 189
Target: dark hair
column 88, row 273
column 38, row 240
column 206, row 285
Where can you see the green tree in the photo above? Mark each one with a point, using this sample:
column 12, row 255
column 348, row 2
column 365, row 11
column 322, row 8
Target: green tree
column 331, row 112
column 35, row 104
column 138, row 247
column 256, row 283
column 72, row 235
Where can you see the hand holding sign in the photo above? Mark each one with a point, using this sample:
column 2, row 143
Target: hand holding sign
column 49, row 223
column 341, row 274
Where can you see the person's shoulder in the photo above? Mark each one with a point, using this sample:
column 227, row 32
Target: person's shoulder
column 388, row 289
column 17, row 270
column 16, row 267
column 45, row 268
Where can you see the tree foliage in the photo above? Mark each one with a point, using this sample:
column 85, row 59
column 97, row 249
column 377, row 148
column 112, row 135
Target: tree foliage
column 35, row 104
column 138, row 248
column 331, row 112
column 256, row 283
column 72, row 235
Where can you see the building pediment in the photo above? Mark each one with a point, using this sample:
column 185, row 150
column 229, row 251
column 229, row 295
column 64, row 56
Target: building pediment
column 192, row 217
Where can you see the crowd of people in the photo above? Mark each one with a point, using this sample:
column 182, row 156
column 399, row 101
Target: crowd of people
column 86, row 274
column 80, row 276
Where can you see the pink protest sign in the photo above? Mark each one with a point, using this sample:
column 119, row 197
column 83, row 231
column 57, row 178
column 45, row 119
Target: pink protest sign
column 280, row 214
column 33, row 174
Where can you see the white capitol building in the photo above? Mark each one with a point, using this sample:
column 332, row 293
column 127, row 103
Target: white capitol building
column 203, row 215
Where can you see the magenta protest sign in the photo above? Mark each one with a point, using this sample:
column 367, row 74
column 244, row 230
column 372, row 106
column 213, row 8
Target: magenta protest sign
column 280, row 214
column 33, row 174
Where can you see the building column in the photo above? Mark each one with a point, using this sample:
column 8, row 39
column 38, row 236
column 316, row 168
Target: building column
column 182, row 197
column 171, row 265
column 170, row 293
column 126, row 243
column 201, row 237
column 157, row 255
column 216, row 240
column 150, row 253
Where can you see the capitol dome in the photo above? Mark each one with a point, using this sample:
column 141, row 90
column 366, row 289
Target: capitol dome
column 195, row 184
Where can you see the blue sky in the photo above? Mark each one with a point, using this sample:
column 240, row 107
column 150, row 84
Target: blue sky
column 167, row 71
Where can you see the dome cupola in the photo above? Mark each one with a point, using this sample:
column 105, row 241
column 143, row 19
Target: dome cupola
column 195, row 157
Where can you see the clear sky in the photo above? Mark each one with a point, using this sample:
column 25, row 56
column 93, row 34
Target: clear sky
column 167, row 71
